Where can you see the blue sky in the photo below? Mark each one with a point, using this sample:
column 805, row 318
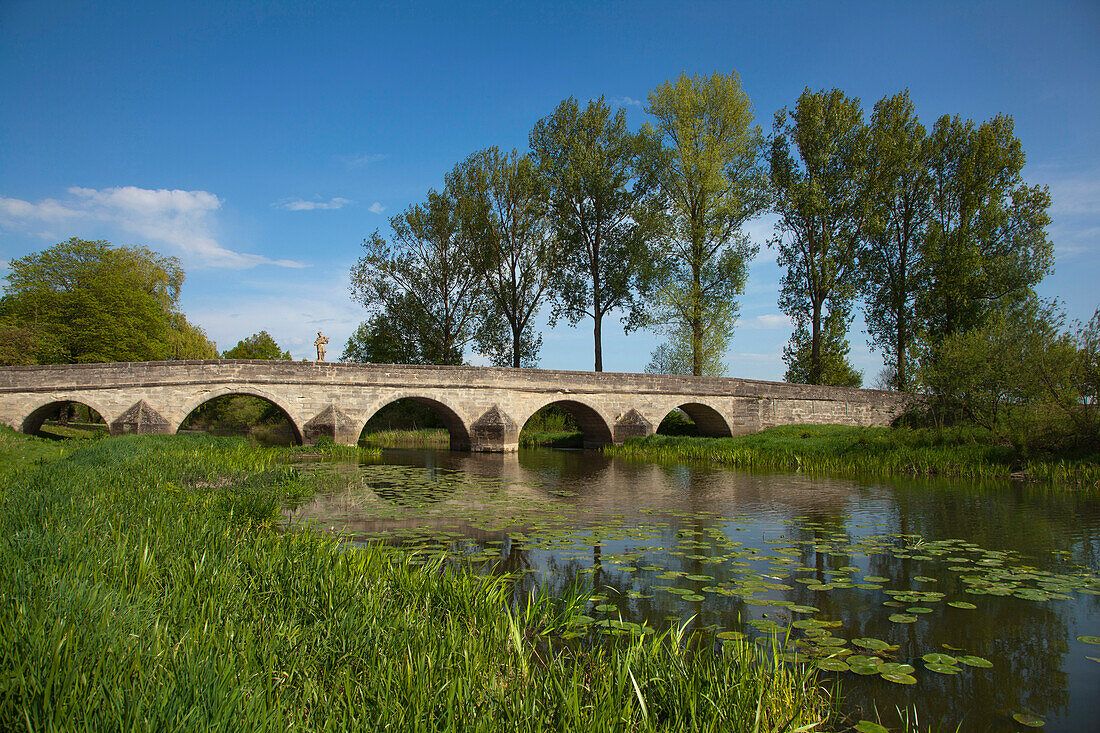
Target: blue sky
column 261, row 142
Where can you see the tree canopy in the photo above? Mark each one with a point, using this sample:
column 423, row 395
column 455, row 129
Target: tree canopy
column 708, row 170
column 258, row 346
column 602, row 211
column 86, row 301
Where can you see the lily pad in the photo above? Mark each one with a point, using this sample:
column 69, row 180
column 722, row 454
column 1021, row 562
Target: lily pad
column 1089, row 639
column 962, row 604
column 1029, row 720
column 693, row 597
column 875, row 645
column 973, row 661
column 731, row 635
column 938, row 658
column 901, row 618
column 899, row 679
column 943, row 668
column 833, row 665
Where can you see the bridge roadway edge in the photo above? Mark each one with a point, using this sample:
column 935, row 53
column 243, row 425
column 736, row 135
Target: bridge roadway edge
column 484, row 407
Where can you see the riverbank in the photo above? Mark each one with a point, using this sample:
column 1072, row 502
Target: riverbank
column 835, row 449
column 148, row 584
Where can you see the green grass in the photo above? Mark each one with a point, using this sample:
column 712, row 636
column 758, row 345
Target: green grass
column 955, row 452
column 146, row 584
column 554, row 439
column 424, row 438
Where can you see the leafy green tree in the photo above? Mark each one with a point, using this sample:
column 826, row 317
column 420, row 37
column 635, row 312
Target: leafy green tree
column 986, row 246
column 258, row 346
column 892, row 258
column 835, row 368
column 188, row 341
column 381, row 340
column 430, row 277
column 708, row 169
column 678, row 354
column 1022, row 375
column 821, row 202
column 86, row 301
column 511, row 201
column 602, row 212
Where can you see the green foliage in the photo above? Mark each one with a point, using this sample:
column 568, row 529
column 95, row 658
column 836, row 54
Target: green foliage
column 235, row 414
column 892, row 258
column 821, row 199
column 986, row 245
column 963, row 452
column 1023, row 377
column 510, row 201
column 679, row 355
column 708, row 170
column 834, row 368
column 82, row 301
column 149, row 589
column 602, row 211
column 188, row 341
column 380, row 340
column 258, row 346
column 428, row 281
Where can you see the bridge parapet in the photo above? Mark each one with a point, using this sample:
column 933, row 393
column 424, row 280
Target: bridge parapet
column 484, row 408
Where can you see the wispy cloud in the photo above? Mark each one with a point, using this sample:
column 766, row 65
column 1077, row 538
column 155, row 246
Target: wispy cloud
column 315, row 205
column 768, row 321
column 1075, row 196
column 361, row 159
column 183, row 220
column 376, row 208
column 625, row 102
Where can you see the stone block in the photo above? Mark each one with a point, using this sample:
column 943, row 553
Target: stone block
column 140, row 419
column 494, row 432
column 331, row 422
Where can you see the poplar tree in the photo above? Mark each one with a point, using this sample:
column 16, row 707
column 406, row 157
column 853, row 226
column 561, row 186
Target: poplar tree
column 511, row 202
column 819, row 174
column 601, row 212
column 892, row 258
column 709, row 173
column 986, row 246
column 428, row 278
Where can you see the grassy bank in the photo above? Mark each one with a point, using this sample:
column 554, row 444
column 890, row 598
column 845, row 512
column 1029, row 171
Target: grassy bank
column 953, row 452
column 145, row 585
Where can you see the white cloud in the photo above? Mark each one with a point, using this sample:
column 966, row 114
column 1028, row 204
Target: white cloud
column 769, row 321
column 376, row 208
column 361, row 159
column 183, row 220
column 625, row 102
column 316, row 205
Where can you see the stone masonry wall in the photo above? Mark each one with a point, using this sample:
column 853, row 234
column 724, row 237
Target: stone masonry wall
column 484, row 407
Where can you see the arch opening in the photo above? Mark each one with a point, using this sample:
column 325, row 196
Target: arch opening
column 66, row 419
column 244, row 414
column 565, row 424
column 694, row 418
column 415, row 422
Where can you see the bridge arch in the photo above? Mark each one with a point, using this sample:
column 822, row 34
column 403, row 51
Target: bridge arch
column 592, row 422
column 708, row 419
column 457, row 428
column 246, row 391
column 33, row 421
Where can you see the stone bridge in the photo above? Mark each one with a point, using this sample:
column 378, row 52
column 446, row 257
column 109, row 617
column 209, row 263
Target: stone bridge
column 484, row 408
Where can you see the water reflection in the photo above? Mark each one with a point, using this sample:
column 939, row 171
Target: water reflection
column 753, row 552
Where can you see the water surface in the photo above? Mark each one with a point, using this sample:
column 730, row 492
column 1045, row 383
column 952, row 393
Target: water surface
column 845, row 567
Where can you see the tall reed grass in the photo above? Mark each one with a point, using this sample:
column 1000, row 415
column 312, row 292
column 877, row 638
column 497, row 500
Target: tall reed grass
column 956, row 452
column 146, row 584
column 423, row 438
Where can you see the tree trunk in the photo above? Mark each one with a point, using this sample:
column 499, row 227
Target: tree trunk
column 515, row 347
column 596, row 334
column 814, row 376
column 899, row 370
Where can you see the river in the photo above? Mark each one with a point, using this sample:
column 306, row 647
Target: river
column 955, row 603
